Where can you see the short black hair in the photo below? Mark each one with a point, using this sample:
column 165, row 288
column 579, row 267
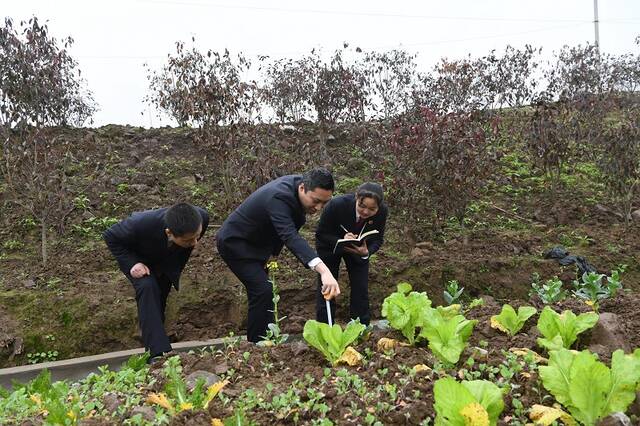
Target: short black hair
column 318, row 178
column 182, row 219
column 371, row 190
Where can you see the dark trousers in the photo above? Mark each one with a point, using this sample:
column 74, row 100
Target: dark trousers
column 255, row 279
column 151, row 297
column 358, row 270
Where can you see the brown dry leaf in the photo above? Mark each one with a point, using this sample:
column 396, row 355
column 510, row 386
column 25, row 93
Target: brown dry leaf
column 545, row 416
column 421, row 367
column 385, row 344
column 526, row 351
column 281, row 415
column 350, row 357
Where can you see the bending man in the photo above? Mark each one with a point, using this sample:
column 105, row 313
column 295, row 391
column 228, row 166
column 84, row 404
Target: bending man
column 152, row 247
column 258, row 229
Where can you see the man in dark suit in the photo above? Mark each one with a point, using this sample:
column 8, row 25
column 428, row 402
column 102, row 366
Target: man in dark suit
column 258, row 229
column 346, row 217
column 152, row 247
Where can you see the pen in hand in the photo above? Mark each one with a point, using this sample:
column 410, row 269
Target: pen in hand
column 345, row 230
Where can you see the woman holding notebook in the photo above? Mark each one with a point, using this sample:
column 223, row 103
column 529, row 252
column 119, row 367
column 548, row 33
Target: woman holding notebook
column 360, row 217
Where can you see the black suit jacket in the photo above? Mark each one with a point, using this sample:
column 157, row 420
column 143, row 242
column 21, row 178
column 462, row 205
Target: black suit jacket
column 266, row 221
column 341, row 210
column 141, row 238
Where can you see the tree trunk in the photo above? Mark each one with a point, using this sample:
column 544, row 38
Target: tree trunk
column 324, row 153
column 43, row 239
column 465, row 234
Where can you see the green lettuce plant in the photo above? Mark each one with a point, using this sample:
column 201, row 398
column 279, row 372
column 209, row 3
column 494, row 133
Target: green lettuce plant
column 549, row 292
column 594, row 287
column 448, row 312
column 404, row 310
column 561, row 330
column 474, row 402
column 452, row 292
column 588, row 388
column 591, row 288
column 511, row 322
column 447, row 336
column 332, row 341
column 614, row 283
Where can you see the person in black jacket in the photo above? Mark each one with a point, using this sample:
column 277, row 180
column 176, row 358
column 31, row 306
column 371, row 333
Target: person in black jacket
column 152, row 247
column 346, row 217
column 258, row 229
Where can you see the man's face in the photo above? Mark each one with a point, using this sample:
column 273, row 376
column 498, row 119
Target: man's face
column 367, row 207
column 313, row 201
column 186, row 240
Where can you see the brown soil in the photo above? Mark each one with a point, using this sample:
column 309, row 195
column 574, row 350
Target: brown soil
column 85, row 304
column 271, row 372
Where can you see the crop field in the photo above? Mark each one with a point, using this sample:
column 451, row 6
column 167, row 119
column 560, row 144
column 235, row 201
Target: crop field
column 505, row 290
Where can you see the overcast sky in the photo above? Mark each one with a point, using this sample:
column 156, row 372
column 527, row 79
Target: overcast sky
column 113, row 39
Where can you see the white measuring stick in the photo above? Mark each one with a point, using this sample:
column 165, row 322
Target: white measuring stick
column 329, row 312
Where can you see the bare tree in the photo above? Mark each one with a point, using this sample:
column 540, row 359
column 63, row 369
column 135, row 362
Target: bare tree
column 40, row 86
column 391, row 76
column 287, row 88
column 206, row 90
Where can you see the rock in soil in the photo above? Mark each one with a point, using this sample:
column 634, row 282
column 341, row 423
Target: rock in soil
column 146, row 412
column 608, row 333
column 615, row 419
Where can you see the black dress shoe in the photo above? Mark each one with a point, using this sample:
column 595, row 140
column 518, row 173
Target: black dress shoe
column 154, row 359
column 161, row 357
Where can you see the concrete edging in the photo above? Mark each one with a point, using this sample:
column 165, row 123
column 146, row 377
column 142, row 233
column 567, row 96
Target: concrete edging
column 79, row 368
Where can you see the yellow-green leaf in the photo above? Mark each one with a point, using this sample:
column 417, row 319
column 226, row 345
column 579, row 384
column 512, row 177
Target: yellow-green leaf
column 161, row 400
column 185, row 406
column 497, row 325
column 36, row 398
column 545, row 416
column 213, row 390
column 474, row 414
